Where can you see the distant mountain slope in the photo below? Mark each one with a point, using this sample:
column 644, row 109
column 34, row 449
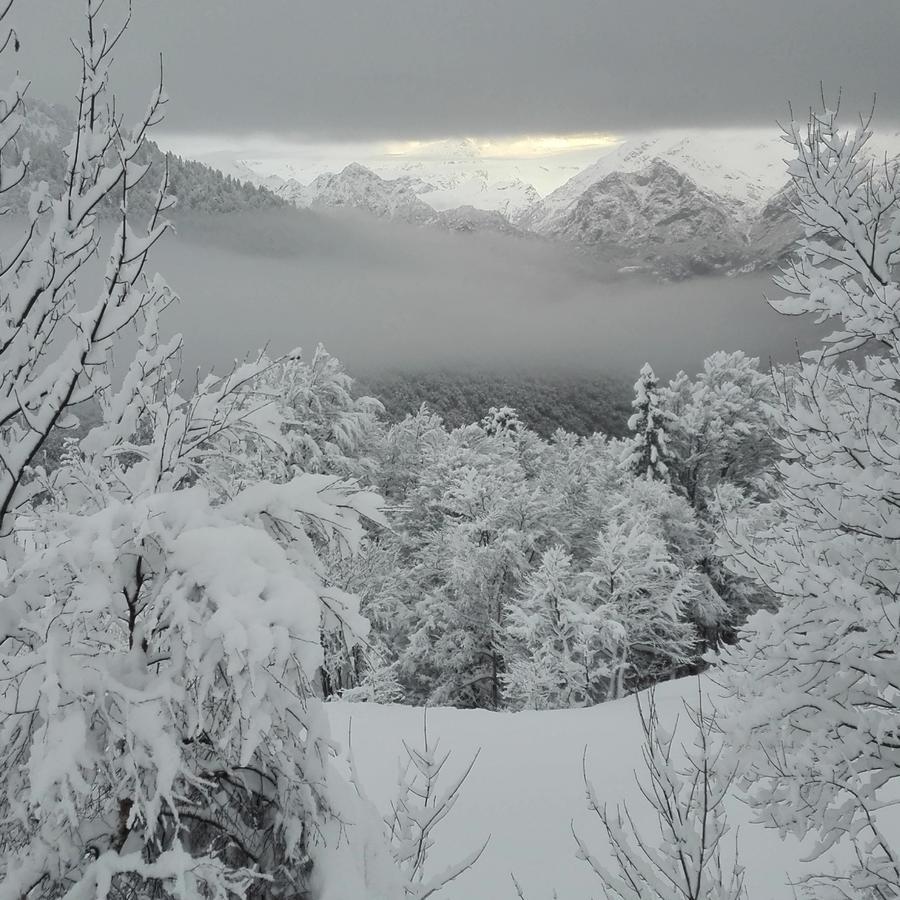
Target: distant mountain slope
column 670, row 204
column 656, row 215
column 399, row 199
column 197, row 187
column 775, row 229
column 746, row 166
column 356, row 187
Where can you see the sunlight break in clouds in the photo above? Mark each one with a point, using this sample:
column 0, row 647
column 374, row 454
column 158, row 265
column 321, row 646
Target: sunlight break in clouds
column 514, row 147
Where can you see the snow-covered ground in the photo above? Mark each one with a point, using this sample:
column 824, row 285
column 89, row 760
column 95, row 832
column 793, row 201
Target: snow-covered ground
column 526, row 791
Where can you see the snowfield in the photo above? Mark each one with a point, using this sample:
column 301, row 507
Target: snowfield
column 526, row 791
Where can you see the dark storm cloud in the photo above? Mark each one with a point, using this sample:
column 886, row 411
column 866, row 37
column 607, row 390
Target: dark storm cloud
column 421, row 68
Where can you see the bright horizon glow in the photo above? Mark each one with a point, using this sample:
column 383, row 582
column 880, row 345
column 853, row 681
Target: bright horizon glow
column 514, row 147
column 511, row 147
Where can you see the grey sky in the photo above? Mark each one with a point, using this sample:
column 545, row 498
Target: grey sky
column 372, row 69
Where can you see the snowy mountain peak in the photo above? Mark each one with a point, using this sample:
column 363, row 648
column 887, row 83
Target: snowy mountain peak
column 358, row 187
column 357, row 170
column 743, row 166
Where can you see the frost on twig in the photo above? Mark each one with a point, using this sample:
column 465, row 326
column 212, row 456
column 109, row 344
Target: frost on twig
column 686, row 860
column 421, row 803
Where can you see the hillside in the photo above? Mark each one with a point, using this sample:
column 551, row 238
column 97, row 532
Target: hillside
column 526, row 792
column 197, row 187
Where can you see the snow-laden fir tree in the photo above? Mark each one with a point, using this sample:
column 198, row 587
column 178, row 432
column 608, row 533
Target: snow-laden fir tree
column 722, row 443
column 647, row 451
column 501, row 420
column 815, row 686
column 160, row 618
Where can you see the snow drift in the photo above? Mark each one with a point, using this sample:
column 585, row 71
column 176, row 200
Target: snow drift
column 527, row 792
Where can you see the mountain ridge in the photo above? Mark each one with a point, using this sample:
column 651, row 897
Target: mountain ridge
column 656, row 218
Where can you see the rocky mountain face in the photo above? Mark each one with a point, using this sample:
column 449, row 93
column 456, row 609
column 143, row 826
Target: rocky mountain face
column 471, row 219
column 656, row 218
column 479, row 190
column 775, row 229
column 356, row 187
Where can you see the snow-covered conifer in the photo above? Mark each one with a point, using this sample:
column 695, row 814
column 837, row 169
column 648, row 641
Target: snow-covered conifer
column 648, row 450
column 633, row 579
column 722, row 427
column 501, row 420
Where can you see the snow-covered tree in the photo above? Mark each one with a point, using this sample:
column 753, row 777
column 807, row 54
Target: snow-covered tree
column 54, row 345
column 330, row 430
column 167, row 632
column 648, row 450
column 501, row 420
column 815, row 685
column 557, row 649
column 501, row 555
column 404, row 450
column 688, row 859
column 472, row 529
column 160, row 619
column 722, row 444
column 581, row 634
column 722, row 427
column 637, row 584
column 317, row 427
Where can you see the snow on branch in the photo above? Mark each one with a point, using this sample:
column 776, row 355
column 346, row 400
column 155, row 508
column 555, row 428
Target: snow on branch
column 686, row 859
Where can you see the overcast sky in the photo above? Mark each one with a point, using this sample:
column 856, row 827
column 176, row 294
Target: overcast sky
column 400, row 69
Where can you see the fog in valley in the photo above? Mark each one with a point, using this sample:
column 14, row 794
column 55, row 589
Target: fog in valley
column 388, row 295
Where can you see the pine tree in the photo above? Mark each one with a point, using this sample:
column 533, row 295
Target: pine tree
column 501, row 420
column 648, row 451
